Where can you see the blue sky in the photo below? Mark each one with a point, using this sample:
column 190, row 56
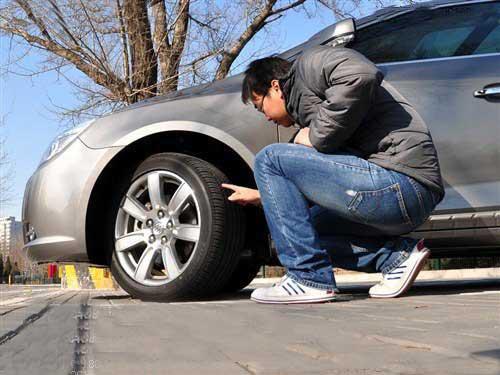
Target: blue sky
column 26, row 103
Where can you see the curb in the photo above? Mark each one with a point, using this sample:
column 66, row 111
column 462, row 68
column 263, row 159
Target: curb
column 441, row 275
column 82, row 276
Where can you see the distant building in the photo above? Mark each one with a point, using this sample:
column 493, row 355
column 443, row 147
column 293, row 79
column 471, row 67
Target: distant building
column 11, row 237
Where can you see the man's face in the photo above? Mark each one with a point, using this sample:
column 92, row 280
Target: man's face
column 273, row 105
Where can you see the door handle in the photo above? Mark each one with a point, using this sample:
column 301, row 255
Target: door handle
column 487, row 92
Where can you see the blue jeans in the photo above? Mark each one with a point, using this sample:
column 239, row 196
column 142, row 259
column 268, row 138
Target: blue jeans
column 337, row 210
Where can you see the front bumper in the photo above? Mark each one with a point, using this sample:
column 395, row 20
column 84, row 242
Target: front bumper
column 56, row 200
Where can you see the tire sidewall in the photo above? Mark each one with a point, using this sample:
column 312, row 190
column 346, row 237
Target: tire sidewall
column 183, row 285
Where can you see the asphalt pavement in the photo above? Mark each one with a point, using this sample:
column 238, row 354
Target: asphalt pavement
column 438, row 328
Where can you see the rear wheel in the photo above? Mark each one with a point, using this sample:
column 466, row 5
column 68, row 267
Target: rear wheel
column 175, row 234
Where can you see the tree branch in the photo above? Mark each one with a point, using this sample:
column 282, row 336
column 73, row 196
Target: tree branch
column 108, row 80
column 229, row 56
column 285, row 8
column 95, row 34
column 202, row 24
column 62, row 23
column 37, row 21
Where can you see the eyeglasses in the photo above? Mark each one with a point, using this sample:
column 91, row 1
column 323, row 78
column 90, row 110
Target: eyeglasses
column 260, row 107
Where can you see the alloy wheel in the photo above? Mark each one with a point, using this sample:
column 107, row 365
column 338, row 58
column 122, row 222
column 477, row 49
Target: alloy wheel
column 157, row 228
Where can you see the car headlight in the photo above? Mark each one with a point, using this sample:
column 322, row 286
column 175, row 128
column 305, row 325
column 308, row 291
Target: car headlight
column 63, row 140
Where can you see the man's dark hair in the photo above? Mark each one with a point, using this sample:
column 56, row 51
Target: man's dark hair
column 259, row 75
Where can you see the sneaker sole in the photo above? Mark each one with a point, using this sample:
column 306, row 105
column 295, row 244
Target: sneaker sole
column 409, row 282
column 290, row 301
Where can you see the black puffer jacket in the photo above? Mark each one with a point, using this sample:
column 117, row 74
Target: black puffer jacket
column 342, row 97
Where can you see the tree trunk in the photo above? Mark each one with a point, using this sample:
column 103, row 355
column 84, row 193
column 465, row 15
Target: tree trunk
column 170, row 54
column 144, row 66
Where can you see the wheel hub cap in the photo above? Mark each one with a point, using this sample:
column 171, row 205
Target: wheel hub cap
column 159, row 228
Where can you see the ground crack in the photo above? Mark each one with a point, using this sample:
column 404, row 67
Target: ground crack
column 27, row 322
column 81, row 339
column 243, row 366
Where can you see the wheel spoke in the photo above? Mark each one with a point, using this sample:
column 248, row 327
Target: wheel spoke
column 145, row 264
column 179, row 198
column 155, row 190
column 170, row 261
column 187, row 232
column 129, row 241
column 134, row 208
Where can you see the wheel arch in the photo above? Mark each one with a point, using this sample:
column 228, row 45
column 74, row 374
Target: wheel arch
column 236, row 165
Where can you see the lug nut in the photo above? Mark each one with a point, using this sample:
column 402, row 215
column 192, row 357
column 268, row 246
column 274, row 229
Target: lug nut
column 152, row 239
column 169, row 225
column 149, row 223
column 161, row 214
column 164, row 240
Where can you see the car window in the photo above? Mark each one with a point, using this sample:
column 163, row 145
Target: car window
column 441, row 43
column 425, row 34
column 491, row 44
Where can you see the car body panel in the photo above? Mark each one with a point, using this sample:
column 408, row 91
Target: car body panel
column 192, row 127
column 56, row 200
column 207, row 111
column 442, row 90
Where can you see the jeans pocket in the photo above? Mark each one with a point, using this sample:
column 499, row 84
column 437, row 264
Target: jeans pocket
column 383, row 208
column 426, row 201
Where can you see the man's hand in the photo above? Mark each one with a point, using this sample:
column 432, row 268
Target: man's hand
column 302, row 137
column 243, row 195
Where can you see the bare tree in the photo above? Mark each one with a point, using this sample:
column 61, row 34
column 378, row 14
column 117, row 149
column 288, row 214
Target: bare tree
column 6, row 173
column 129, row 50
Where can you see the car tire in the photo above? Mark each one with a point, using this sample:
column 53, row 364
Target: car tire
column 245, row 272
column 216, row 223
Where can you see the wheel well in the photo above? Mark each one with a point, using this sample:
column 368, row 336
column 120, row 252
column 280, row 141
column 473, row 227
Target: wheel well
column 199, row 145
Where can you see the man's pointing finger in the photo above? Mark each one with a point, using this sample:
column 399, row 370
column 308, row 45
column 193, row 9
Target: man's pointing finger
column 230, row 186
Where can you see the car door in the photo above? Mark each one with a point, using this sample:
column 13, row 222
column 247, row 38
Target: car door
column 446, row 62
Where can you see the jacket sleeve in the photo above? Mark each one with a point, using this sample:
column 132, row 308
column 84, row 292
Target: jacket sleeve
column 351, row 83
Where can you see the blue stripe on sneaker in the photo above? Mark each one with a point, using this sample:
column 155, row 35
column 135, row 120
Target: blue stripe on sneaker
column 396, row 273
column 284, row 287
column 393, row 278
column 291, row 287
column 298, row 286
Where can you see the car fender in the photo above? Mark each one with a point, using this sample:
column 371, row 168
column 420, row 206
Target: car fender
column 187, row 126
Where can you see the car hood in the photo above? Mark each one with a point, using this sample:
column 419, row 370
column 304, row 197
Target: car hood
column 224, row 86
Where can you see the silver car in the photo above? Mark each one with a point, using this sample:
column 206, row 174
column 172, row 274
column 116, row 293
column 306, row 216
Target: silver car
column 139, row 189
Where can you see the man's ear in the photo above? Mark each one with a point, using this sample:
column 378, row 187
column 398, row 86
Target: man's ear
column 275, row 85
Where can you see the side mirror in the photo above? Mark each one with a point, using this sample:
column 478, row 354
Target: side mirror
column 345, row 33
column 340, row 33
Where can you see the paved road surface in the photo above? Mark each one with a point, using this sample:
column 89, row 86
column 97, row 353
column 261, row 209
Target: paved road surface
column 437, row 329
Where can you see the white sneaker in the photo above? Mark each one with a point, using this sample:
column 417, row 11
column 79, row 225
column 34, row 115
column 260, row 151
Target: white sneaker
column 400, row 279
column 287, row 290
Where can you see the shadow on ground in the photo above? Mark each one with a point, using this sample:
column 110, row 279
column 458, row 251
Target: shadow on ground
column 349, row 291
